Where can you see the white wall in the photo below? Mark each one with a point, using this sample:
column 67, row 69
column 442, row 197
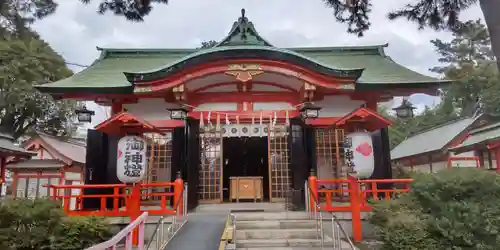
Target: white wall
column 437, row 166
column 426, row 168
column 157, row 108
column 464, row 163
column 337, row 105
column 150, row 109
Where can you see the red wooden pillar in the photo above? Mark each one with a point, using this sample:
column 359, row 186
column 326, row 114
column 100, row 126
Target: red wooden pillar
column 357, row 230
column 496, row 151
column 313, row 191
column 134, row 209
column 2, row 172
column 178, row 191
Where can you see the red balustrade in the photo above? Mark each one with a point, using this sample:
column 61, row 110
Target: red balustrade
column 130, row 195
column 126, row 199
column 353, row 195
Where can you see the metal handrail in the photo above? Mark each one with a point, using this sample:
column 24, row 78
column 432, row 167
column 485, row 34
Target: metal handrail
column 230, row 225
column 336, row 235
column 335, row 223
column 172, row 229
column 127, row 234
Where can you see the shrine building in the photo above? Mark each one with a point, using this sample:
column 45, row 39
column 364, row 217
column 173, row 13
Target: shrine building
column 243, row 120
column 464, row 142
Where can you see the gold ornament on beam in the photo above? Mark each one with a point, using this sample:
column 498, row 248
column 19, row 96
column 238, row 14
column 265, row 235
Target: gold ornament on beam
column 309, row 90
column 244, row 72
column 179, row 92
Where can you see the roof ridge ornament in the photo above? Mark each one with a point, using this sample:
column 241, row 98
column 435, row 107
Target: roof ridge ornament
column 243, row 32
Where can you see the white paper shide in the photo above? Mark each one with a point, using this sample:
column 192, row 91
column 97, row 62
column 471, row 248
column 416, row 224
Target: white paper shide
column 131, row 160
column 359, row 154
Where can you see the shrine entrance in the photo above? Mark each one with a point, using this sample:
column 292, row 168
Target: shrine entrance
column 245, row 169
column 244, row 162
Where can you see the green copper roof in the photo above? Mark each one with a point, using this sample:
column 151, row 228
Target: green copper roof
column 106, row 74
column 116, row 69
column 478, row 136
column 431, row 140
column 244, row 51
column 243, row 33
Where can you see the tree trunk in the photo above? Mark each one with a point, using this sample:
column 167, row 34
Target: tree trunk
column 491, row 10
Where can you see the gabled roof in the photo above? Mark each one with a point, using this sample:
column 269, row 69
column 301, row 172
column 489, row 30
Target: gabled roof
column 431, row 140
column 243, row 33
column 367, row 65
column 371, row 120
column 482, row 136
column 69, row 150
column 8, row 148
column 125, row 123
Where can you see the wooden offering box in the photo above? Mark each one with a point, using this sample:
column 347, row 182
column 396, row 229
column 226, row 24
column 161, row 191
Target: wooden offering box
column 247, row 188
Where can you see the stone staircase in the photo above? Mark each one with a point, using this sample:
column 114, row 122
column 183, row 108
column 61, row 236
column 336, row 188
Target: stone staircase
column 279, row 231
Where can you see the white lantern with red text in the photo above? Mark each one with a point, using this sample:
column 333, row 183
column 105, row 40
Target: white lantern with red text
column 358, row 154
column 131, row 159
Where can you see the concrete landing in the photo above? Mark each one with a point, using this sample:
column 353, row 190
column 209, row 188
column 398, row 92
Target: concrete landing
column 225, row 208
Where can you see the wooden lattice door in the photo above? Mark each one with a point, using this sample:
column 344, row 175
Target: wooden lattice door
column 279, row 171
column 210, row 172
column 159, row 155
column 330, row 157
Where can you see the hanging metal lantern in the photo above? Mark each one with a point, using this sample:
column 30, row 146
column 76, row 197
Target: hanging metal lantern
column 405, row 110
column 178, row 113
column 84, row 115
column 309, row 110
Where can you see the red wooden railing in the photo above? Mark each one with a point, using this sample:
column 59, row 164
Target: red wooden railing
column 127, row 233
column 352, row 195
column 131, row 196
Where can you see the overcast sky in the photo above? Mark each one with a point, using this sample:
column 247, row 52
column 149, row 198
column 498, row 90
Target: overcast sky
column 76, row 29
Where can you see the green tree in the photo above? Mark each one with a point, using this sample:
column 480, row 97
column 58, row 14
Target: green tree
column 436, row 14
column 466, row 57
column 41, row 224
column 452, row 209
column 402, row 129
column 469, row 62
column 25, row 60
column 25, row 63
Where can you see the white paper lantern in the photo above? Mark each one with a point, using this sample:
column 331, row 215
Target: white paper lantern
column 131, row 159
column 359, row 154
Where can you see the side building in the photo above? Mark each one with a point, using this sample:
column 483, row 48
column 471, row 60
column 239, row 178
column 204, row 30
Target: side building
column 465, row 142
column 56, row 161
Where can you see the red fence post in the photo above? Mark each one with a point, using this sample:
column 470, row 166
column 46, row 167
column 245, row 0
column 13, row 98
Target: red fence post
column 357, row 231
column 313, row 185
column 134, row 209
column 178, row 186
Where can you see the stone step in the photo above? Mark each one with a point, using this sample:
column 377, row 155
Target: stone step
column 275, row 224
column 243, row 234
column 271, row 216
column 283, row 243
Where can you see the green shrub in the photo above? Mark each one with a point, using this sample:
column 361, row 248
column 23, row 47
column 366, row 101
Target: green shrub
column 42, row 225
column 452, row 209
